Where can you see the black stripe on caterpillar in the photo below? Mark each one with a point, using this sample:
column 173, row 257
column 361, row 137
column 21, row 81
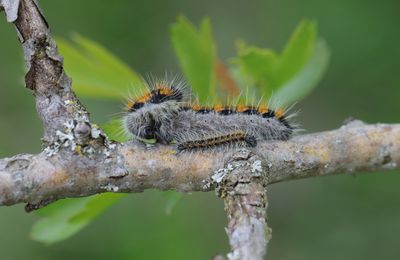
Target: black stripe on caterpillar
column 161, row 103
column 165, row 113
column 196, row 122
column 234, row 139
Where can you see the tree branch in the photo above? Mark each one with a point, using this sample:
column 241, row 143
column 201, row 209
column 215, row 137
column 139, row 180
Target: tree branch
column 243, row 187
column 55, row 101
column 354, row 148
column 79, row 160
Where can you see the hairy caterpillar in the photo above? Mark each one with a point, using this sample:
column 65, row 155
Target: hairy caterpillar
column 147, row 113
column 235, row 139
column 166, row 113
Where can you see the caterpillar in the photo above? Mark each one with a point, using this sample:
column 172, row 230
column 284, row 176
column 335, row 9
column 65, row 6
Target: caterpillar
column 235, row 139
column 167, row 114
column 146, row 114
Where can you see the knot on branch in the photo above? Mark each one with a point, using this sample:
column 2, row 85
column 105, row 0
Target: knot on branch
column 81, row 137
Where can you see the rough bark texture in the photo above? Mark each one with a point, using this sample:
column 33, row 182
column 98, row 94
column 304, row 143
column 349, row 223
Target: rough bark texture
column 55, row 101
column 103, row 166
column 79, row 160
column 242, row 185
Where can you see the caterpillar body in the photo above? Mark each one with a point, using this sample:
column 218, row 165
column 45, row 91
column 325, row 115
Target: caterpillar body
column 146, row 114
column 167, row 114
column 234, row 139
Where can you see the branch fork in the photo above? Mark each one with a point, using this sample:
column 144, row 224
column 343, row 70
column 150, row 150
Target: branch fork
column 242, row 185
column 79, row 160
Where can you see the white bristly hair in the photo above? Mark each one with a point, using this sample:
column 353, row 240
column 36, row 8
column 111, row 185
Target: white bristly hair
column 173, row 118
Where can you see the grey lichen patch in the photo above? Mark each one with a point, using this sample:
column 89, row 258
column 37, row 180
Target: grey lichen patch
column 81, row 137
column 256, row 167
column 67, row 138
column 63, row 139
column 109, row 147
column 242, row 168
column 76, row 133
column 219, row 175
column 110, row 187
column 71, row 103
column 95, row 132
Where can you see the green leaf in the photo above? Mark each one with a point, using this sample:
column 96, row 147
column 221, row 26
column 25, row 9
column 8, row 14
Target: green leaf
column 64, row 218
column 257, row 64
column 115, row 131
column 96, row 72
column 290, row 75
column 305, row 80
column 297, row 52
column 196, row 53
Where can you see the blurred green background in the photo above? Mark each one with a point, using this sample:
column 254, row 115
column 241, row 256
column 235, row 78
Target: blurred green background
column 341, row 217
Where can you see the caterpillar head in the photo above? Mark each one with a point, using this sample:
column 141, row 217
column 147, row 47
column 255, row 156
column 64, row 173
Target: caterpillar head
column 146, row 114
